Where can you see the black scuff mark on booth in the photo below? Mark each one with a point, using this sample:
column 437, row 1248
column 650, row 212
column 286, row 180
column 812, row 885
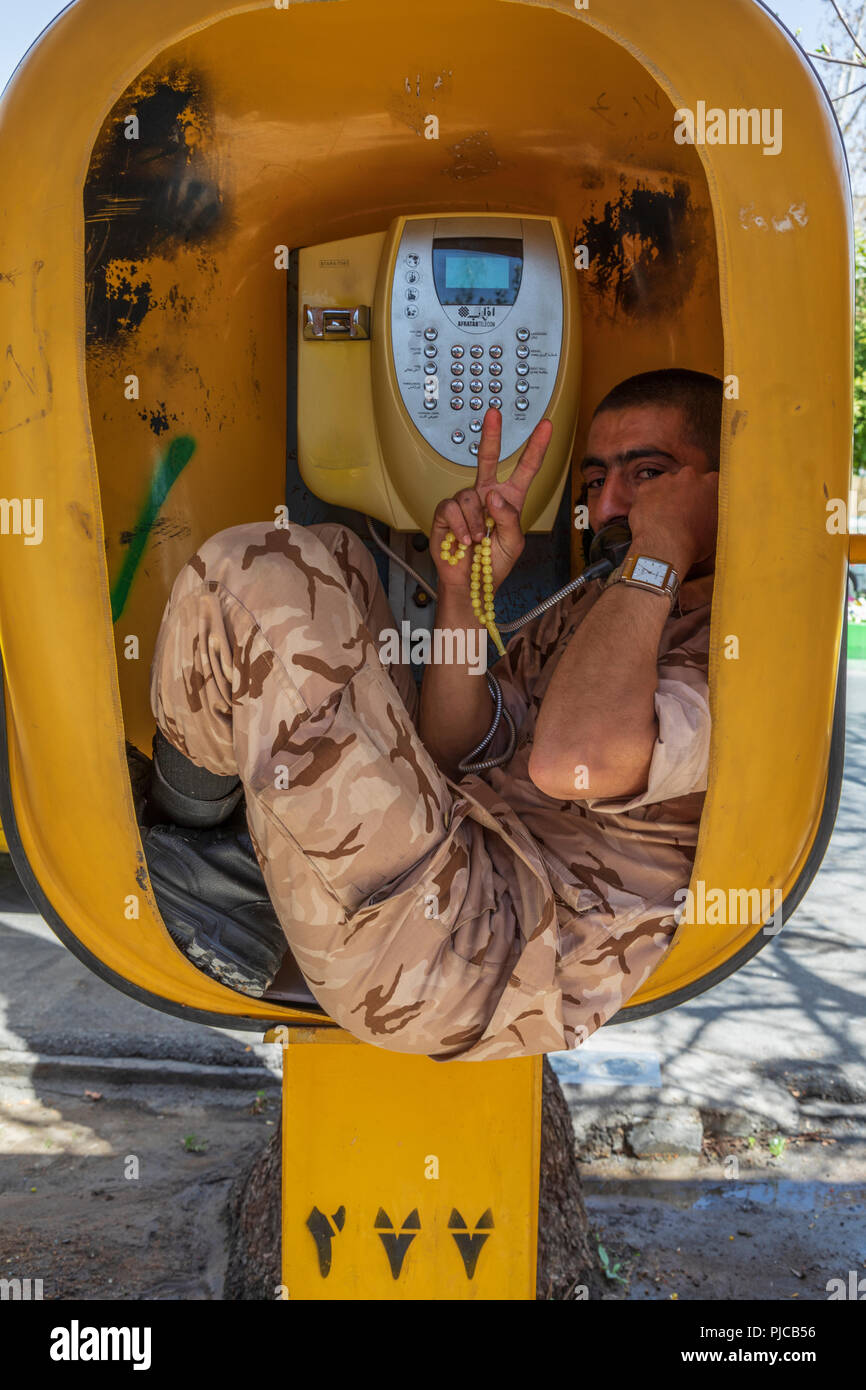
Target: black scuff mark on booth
column 82, row 516
column 157, row 420
column 644, row 249
column 149, row 198
column 165, row 528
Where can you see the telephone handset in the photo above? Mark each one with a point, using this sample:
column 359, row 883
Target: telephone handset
column 406, row 338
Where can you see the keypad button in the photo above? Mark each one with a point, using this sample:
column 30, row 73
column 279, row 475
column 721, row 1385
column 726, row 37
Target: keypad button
column 457, row 350
column 521, row 403
column 476, row 351
column 475, row 426
column 457, row 387
column 456, row 402
column 411, row 311
column 431, row 333
column 457, row 436
column 456, row 368
column 523, row 352
column 430, row 368
column 430, row 404
column 522, row 386
column 522, row 369
column 522, row 334
column 477, row 404
column 476, row 368
column 496, row 351
column 476, row 386
column 412, row 258
column 495, row 386
column 496, row 369
column 430, row 351
column 495, row 403
column 473, row 448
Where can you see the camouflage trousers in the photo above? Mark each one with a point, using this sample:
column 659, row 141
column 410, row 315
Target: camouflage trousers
column 385, row 873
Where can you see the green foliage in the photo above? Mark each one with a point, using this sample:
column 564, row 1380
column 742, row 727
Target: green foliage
column 611, row 1271
column 860, row 353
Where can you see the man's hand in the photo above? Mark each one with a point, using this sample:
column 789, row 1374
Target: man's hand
column 464, row 512
column 674, row 518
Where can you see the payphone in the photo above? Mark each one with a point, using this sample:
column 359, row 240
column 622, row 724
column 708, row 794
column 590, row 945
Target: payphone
column 406, row 337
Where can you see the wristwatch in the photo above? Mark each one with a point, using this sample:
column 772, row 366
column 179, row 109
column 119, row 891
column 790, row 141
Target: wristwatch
column 645, row 572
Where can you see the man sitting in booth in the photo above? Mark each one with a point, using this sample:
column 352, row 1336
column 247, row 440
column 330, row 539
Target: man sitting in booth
column 486, row 916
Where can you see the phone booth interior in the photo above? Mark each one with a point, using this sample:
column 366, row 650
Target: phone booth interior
column 161, row 330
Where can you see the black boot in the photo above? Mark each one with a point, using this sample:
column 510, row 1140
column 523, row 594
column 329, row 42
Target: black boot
column 204, row 871
column 215, row 905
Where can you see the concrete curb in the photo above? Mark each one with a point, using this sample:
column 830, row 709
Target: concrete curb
column 135, row 1071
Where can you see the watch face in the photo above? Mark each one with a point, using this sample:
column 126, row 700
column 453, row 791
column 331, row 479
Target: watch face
column 650, row 571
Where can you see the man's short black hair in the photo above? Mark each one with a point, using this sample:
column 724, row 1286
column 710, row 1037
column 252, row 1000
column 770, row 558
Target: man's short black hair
column 698, row 394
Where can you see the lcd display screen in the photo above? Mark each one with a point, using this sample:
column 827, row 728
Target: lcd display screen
column 477, row 270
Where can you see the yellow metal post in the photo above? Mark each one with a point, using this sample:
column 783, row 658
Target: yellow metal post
column 405, row 1178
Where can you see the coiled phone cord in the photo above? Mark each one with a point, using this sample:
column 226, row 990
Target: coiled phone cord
column 608, row 550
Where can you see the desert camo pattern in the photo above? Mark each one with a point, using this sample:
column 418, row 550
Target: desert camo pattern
column 475, row 919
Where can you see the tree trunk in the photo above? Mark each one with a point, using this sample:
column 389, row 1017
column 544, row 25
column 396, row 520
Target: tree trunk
column 567, row 1266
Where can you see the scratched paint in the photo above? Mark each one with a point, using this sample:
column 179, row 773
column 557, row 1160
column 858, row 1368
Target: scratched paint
column 166, row 473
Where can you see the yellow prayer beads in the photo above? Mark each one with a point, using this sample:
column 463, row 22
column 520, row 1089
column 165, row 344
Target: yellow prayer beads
column 482, row 570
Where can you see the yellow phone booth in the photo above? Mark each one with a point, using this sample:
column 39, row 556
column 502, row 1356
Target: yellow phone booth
column 202, row 247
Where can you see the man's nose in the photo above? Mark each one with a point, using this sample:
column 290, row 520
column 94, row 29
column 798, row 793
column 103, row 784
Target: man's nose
column 615, row 499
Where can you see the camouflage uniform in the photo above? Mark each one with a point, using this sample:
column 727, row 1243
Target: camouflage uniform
column 472, row 919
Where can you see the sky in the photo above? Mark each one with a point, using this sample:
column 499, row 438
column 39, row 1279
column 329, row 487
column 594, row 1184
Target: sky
column 21, row 21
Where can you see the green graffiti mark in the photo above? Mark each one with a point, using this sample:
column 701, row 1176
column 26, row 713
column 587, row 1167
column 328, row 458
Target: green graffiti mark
column 167, row 471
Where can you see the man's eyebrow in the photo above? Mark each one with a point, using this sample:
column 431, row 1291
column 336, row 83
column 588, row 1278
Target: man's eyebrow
column 645, row 451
